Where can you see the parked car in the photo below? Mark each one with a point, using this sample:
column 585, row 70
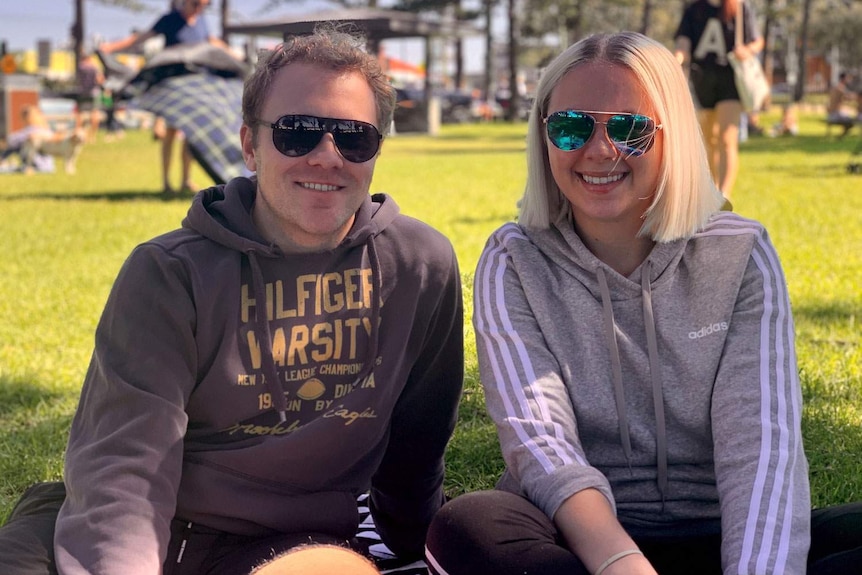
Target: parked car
column 456, row 107
column 503, row 96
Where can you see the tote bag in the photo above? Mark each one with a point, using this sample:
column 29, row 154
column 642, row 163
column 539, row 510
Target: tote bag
column 750, row 80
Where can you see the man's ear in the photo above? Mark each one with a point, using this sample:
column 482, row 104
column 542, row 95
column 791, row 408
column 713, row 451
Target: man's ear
column 246, row 134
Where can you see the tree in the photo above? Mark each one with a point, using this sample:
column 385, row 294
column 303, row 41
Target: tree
column 799, row 90
column 514, row 110
column 453, row 9
column 841, row 27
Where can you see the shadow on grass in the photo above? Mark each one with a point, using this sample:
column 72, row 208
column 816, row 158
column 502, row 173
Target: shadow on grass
column 808, row 143
column 831, row 312
column 491, row 217
column 473, row 136
column 804, row 171
column 473, row 458
column 828, row 311
column 34, row 428
column 492, row 148
column 17, row 395
column 832, row 446
column 124, row 196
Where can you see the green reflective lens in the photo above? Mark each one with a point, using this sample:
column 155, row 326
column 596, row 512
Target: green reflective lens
column 632, row 134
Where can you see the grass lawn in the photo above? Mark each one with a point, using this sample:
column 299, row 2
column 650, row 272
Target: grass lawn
column 64, row 238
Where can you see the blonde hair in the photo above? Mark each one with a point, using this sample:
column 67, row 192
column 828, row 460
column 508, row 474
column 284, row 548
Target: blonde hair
column 686, row 195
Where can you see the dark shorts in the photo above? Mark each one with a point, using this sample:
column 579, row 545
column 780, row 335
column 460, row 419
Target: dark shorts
column 713, row 85
column 27, row 541
column 27, row 538
column 89, row 101
column 504, row 534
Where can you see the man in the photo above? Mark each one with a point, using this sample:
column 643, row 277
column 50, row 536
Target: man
column 295, row 344
column 838, row 111
column 90, row 81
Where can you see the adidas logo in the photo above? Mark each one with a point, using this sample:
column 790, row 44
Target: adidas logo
column 707, row 330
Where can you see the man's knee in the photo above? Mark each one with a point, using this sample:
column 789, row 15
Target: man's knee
column 318, row 560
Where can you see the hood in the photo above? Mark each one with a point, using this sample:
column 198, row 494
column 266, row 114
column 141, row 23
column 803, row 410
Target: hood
column 562, row 245
column 223, row 214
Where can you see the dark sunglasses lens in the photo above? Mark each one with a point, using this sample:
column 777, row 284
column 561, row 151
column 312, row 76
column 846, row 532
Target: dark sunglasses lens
column 357, row 141
column 634, row 132
column 296, row 136
column 569, row 130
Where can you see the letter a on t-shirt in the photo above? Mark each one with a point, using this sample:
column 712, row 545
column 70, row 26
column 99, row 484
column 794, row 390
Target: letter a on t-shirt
column 712, row 42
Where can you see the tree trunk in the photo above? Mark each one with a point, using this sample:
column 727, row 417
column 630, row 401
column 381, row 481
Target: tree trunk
column 459, row 63
column 768, row 63
column 647, row 16
column 78, row 35
column 224, row 10
column 514, row 94
column 799, row 89
column 489, row 52
column 459, row 49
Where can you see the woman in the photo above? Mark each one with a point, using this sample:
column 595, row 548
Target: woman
column 703, row 40
column 636, row 349
column 28, row 141
column 183, row 24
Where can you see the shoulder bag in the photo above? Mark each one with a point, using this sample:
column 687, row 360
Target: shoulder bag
column 750, row 80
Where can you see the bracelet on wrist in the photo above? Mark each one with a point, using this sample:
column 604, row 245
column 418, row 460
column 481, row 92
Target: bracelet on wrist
column 616, row 557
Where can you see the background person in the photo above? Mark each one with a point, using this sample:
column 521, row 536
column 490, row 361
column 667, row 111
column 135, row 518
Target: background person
column 183, row 24
column 703, row 39
column 27, row 143
column 112, row 124
column 34, row 126
column 789, row 123
column 296, row 343
column 90, row 82
column 636, row 350
column 841, row 99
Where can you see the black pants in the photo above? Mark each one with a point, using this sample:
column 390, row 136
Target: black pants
column 498, row 533
column 27, row 541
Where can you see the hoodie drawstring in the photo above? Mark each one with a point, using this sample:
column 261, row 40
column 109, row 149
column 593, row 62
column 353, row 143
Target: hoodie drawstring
column 655, row 377
column 654, row 368
column 616, row 365
column 376, row 294
column 267, row 362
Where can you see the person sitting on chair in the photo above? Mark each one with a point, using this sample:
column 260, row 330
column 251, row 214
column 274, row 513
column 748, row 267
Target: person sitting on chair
column 838, row 112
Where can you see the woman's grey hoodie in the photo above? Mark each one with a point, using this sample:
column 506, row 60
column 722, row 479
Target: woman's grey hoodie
column 673, row 391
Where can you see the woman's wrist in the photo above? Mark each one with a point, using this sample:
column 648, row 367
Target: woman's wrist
column 630, row 564
column 616, row 557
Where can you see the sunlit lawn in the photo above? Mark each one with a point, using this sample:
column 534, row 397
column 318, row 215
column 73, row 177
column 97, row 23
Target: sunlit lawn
column 64, row 237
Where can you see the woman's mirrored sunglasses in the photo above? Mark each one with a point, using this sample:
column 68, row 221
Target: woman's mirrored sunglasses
column 631, row 134
column 296, row 135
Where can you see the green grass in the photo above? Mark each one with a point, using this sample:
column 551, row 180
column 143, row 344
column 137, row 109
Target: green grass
column 64, row 238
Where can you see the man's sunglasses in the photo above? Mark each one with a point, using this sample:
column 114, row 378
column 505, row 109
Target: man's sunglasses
column 631, row 134
column 296, row 135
